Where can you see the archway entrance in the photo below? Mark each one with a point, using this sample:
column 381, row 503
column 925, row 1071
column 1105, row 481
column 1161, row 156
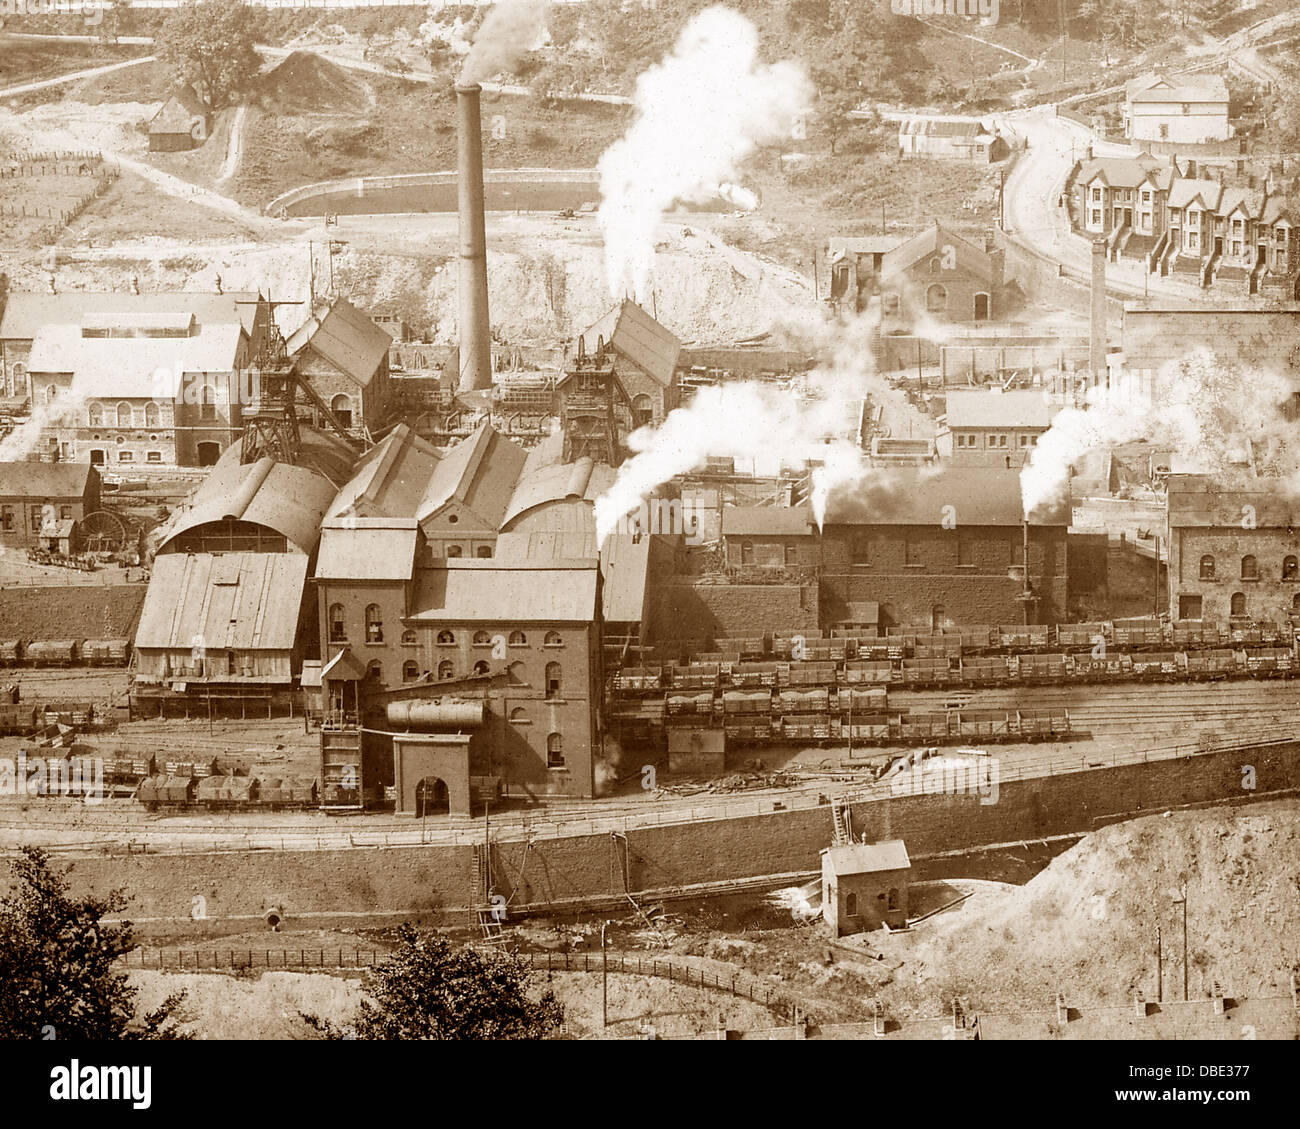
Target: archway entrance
column 209, row 453
column 431, row 797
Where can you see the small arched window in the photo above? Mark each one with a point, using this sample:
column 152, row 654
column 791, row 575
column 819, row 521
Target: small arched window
column 554, row 680
column 936, row 265
column 338, row 632
column 95, row 414
column 851, row 905
column 454, row 550
column 375, row 670
column 518, row 639
column 152, row 417
column 482, row 639
column 1207, row 567
column 481, row 667
column 554, row 751
column 341, row 406
column 124, row 414
column 1249, row 568
column 1238, row 605
column 1290, row 567
column 747, row 552
column 1295, row 602
column 446, row 639
column 519, row 714
column 553, row 639
column 374, row 624
column 51, row 391
column 409, row 636
column 483, row 552
column 893, row 897
column 445, row 670
column 936, row 298
column 410, row 670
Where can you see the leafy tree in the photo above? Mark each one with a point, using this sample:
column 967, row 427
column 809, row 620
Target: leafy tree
column 212, row 44
column 56, row 963
column 834, row 107
column 432, row 989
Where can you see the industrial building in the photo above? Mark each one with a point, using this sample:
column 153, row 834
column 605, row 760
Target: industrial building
column 954, row 139
column 996, row 428
column 38, row 500
column 865, row 886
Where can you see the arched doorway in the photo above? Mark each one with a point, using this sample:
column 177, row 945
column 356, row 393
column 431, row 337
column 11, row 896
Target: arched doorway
column 431, row 797
column 981, row 307
column 209, row 453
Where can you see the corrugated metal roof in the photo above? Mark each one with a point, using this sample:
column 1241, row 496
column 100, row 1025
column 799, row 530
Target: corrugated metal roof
column 944, row 127
column 921, row 495
column 44, row 480
column 291, row 500
column 390, row 479
column 345, row 337
column 1016, row 408
column 479, row 473
column 788, row 521
column 507, row 591
column 932, row 240
column 1196, row 500
column 625, row 569
column 374, row 549
column 638, row 336
column 868, row 858
column 583, row 479
column 186, row 601
column 24, row 313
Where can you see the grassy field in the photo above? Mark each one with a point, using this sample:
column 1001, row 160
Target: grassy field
column 23, row 61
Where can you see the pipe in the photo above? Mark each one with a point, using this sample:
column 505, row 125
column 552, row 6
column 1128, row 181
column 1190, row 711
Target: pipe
column 415, row 714
column 475, row 340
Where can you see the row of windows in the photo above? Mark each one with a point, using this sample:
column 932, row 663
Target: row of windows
column 483, row 551
column 374, row 631
column 747, row 553
column 8, row 524
column 851, row 902
column 995, row 440
column 447, row 671
column 125, row 415
column 1250, row 567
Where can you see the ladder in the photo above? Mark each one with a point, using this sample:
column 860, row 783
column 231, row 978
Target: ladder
column 841, row 818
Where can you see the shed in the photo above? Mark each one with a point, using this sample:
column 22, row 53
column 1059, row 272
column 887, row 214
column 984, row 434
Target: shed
column 183, row 122
column 864, row 886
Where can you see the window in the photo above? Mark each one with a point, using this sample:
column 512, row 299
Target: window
column 482, row 639
column 791, row 556
column 124, row 415
column 1207, row 567
column 374, row 624
column 6, row 518
column 935, row 265
column 446, row 639
column 445, row 670
column 376, row 671
column 965, row 552
column 483, row 552
column 1249, row 568
column 936, row 298
column 1290, row 568
column 889, row 303
column 51, row 391
column 912, row 552
column 1096, row 217
column 1096, row 194
column 409, row 636
column 1238, row 605
column 126, row 456
column 553, row 639
column 1187, row 108
column 747, row 552
column 643, row 410
column 518, row 639
column 153, row 457
column 860, row 547
column 338, row 633
column 519, row 716
column 851, row 905
column 454, row 550
column 893, row 898
column 95, row 415
column 1022, row 440
column 1189, row 607
column 481, row 667
column 152, row 417
column 410, row 670
column 1295, row 602
column 341, row 406
column 553, row 680
column 992, row 441
column 37, row 519
column 554, row 751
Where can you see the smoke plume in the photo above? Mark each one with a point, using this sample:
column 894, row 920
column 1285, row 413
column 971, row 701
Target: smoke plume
column 1201, row 408
column 509, row 31
column 699, row 113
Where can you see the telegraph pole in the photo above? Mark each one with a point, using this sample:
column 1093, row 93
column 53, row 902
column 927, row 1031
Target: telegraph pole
column 1183, row 902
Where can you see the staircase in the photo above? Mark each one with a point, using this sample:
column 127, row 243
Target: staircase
column 1211, row 264
column 841, row 821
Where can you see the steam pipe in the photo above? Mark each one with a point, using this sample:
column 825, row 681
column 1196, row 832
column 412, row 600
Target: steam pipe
column 475, row 340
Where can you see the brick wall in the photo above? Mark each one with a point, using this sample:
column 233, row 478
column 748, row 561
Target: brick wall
column 1269, row 597
column 697, row 612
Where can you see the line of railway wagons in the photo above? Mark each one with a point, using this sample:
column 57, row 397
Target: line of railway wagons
column 64, row 652
column 24, row 720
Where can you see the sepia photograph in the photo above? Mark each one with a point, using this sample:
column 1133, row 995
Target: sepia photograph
column 530, row 521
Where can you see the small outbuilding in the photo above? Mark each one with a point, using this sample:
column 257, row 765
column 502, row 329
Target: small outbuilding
column 864, row 886
column 182, row 123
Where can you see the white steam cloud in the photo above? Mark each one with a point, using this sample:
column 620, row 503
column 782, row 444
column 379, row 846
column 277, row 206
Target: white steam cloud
column 1201, row 408
column 509, row 31
column 699, row 113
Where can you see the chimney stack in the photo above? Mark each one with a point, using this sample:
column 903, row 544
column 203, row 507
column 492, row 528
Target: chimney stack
column 475, row 339
column 1097, row 340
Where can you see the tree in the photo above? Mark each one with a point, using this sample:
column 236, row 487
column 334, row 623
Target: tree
column 56, row 963
column 834, row 107
column 431, row 989
column 211, row 43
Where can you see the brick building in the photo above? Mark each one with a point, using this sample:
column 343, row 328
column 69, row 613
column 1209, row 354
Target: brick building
column 936, row 549
column 644, row 357
column 35, row 497
column 344, row 357
column 1234, row 551
column 864, row 886
column 996, row 428
column 770, row 537
column 1191, row 108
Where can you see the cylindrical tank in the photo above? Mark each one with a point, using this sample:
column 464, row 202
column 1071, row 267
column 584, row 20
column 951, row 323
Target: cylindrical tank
column 434, row 715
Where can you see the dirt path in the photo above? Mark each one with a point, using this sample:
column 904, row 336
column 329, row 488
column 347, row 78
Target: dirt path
column 72, row 76
column 235, row 147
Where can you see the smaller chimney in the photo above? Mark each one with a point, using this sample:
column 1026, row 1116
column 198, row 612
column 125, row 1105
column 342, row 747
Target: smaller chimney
column 1097, row 339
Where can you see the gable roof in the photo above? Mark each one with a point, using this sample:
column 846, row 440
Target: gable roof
column 44, row 480
column 634, row 334
column 867, row 858
column 775, row 521
column 25, row 313
column 1201, row 500
column 499, row 590
column 345, row 337
column 1185, row 192
column 179, row 112
column 390, row 479
column 368, row 549
column 934, row 240
column 918, row 496
column 1127, row 172
column 479, row 473
column 1156, row 87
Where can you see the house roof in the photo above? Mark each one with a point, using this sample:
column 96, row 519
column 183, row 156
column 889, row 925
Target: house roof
column 1197, row 500
column 1127, row 172
column 345, row 337
column 368, row 549
column 244, row 601
column 945, row 127
column 1015, row 408
column 390, row 479
column 921, row 496
column 464, row 590
column 1249, row 201
column 24, row 313
column 867, row 858
column 774, row 521
column 133, row 367
column 1154, row 87
column 1184, row 192
column 479, row 473
column 1275, row 210
column 838, row 245
column 291, row 500
column 344, row 667
column 179, row 112
column 636, row 335
column 44, row 480
column 933, row 240
column 625, row 570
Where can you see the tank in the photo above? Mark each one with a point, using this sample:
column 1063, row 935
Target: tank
column 421, row 715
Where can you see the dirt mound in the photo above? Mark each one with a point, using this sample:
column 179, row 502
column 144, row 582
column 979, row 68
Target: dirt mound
column 70, row 612
column 1086, row 926
column 305, row 83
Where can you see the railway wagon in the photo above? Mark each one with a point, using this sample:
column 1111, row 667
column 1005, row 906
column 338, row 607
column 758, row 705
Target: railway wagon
column 1081, row 636
column 166, row 791
column 75, row 714
column 1041, row 668
column 784, row 646
column 870, row 728
column 225, row 792
column 690, row 705
column 1038, row 725
column 937, row 647
column 748, row 675
column 1267, row 662
column 17, row 720
column 1113, row 665
column 985, row 670
column 749, row 649
column 878, row 671
column 11, row 652
column 1189, row 634
column 988, row 725
column 746, row 702
column 870, row 700
column 1024, row 637
column 128, row 770
column 1219, row 663
column 106, row 652
column 1158, row 664
column 286, row 792
column 910, row 728
column 696, row 676
column 804, row 701
column 977, row 638
column 1142, row 631
column 807, row 674
column 927, row 672
column 52, row 652
column 634, row 679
